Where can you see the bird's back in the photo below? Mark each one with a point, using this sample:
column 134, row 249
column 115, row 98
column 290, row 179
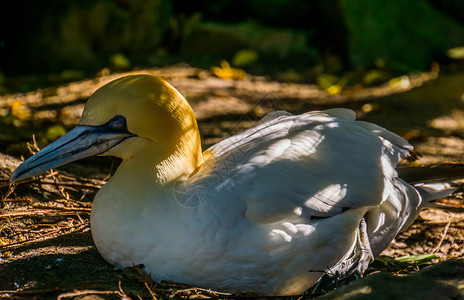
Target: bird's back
column 293, row 190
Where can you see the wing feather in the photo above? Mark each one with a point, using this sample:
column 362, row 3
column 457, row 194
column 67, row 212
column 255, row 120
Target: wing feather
column 318, row 164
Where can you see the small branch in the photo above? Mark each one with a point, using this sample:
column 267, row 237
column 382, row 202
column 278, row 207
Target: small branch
column 50, row 212
column 6, row 182
column 73, row 184
column 45, row 236
column 445, row 231
column 197, row 289
column 149, row 290
column 121, row 291
column 90, row 292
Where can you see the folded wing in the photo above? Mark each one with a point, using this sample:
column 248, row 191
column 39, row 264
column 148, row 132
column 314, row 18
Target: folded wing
column 299, row 168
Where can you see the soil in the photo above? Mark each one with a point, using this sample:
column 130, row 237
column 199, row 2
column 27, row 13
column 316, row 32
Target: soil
column 46, row 248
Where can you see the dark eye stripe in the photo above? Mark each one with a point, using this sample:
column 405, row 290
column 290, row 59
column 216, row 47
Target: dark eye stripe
column 118, row 123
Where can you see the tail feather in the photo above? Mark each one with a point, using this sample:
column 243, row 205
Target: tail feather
column 442, row 172
column 432, row 182
column 434, row 191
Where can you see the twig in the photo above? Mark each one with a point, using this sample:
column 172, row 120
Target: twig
column 80, row 218
column 196, row 289
column 89, row 292
column 43, row 180
column 62, row 184
column 45, row 236
column 52, row 173
column 110, row 172
column 72, row 184
column 20, row 200
column 10, row 191
column 50, row 212
column 35, row 291
column 67, row 209
column 36, row 147
column 151, row 293
column 442, row 237
column 124, row 296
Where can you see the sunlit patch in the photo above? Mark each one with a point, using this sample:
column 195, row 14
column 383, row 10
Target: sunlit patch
column 327, row 197
column 456, row 53
column 298, row 211
column 332, row 125
column 277, row 233
column 305, row 229
column 400, row 83
column 227, row 73
column 381, row 221
column 453, row 121
column 290, row 227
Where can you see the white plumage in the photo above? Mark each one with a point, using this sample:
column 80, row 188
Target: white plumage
column 269, row 210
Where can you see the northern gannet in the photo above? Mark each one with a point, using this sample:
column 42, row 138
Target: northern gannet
column 270, row 210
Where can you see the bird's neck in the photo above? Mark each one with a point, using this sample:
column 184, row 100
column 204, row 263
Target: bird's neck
column 181, row 159
column 162, row 163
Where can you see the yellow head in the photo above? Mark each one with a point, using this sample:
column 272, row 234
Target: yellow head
column 153, row 108
column 141, row 119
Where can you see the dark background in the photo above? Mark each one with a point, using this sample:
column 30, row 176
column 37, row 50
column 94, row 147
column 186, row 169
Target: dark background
column 288, row 40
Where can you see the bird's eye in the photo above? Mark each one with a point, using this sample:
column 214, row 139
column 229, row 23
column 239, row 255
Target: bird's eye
column 118, row 123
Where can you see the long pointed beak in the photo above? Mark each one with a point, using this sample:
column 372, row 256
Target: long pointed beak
column 81, row 142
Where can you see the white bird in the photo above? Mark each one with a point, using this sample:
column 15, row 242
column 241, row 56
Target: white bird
column 271, row 210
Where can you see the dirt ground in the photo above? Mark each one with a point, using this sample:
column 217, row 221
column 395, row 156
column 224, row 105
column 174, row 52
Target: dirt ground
column 46, row 248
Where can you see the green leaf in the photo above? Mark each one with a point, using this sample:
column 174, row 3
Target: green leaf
column 55, row 132
column 456, row 53
column 119, row 61
column 244, row 58
column 422, row 258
